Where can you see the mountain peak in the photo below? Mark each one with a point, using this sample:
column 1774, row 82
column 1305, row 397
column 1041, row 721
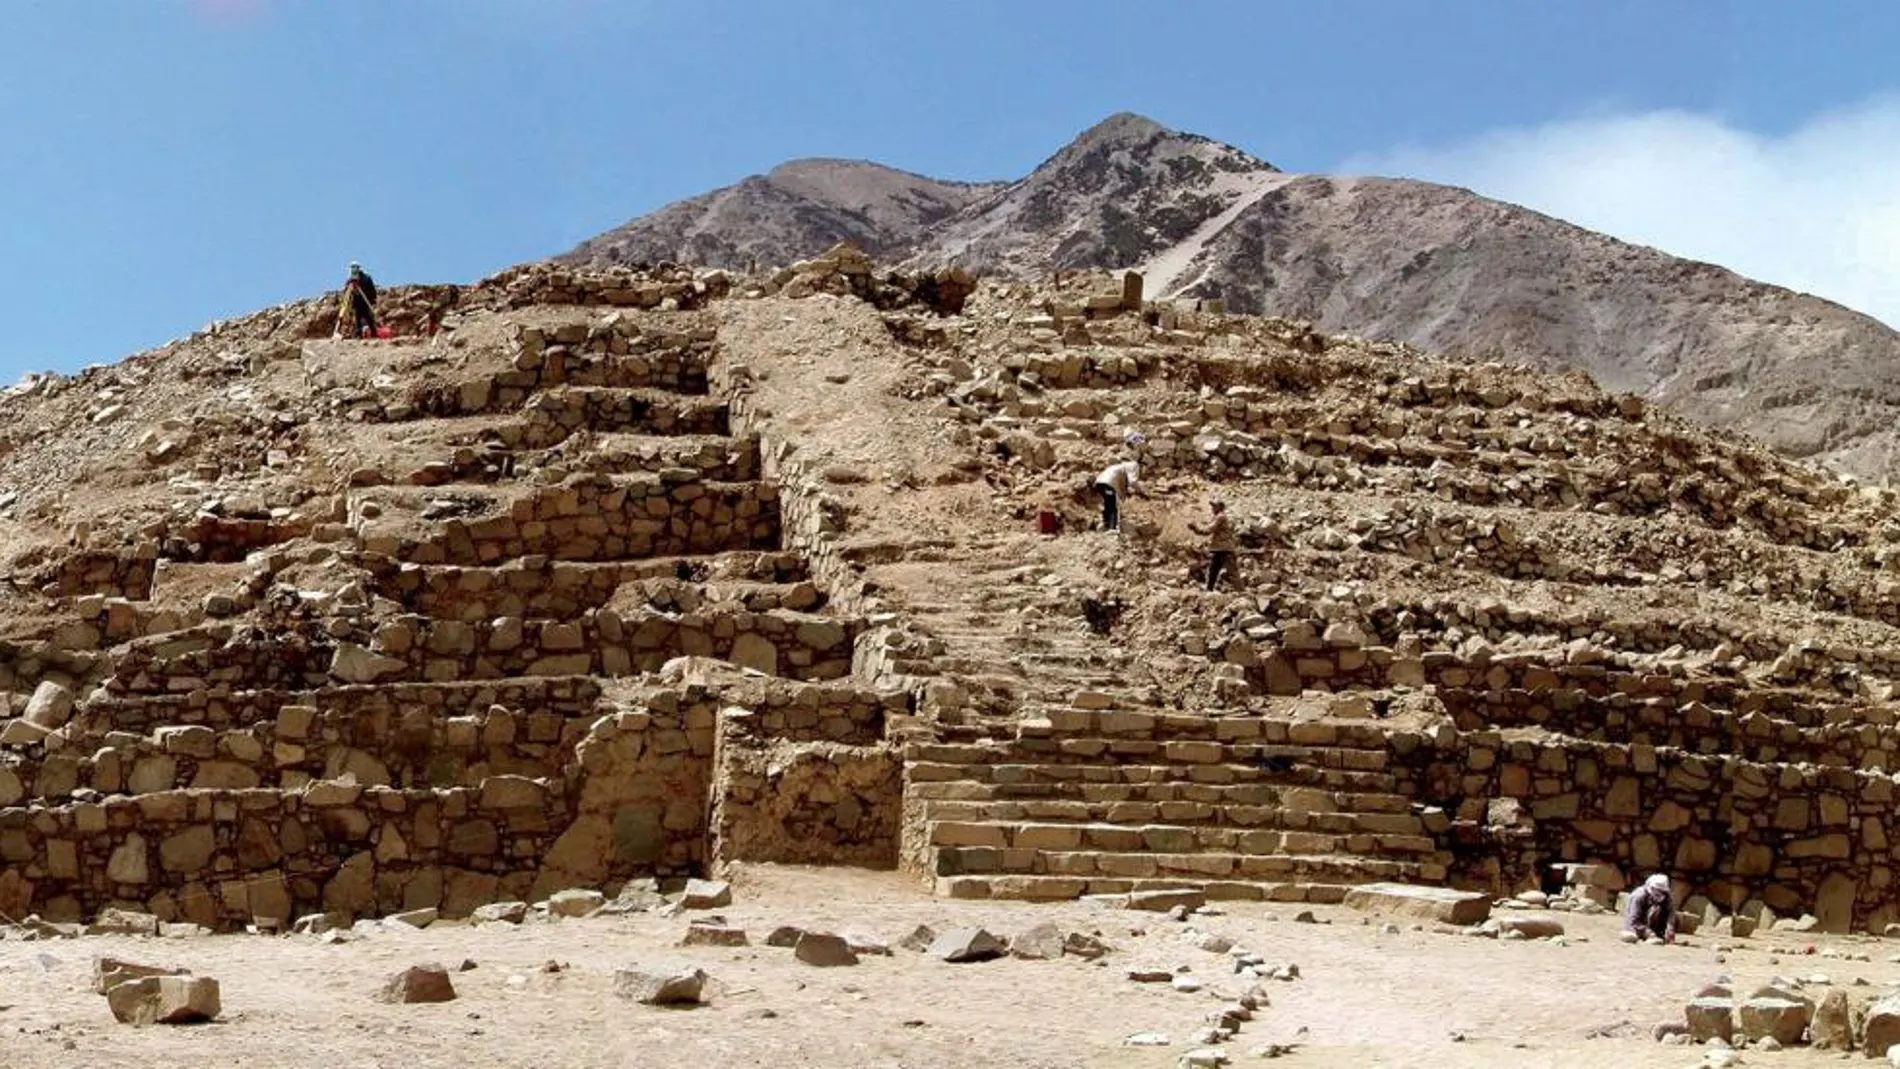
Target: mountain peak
column 1124, row 126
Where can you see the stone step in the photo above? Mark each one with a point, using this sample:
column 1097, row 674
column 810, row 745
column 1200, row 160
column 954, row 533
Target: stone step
column 1296, row 809
column 1272, row 755
column 1025, row 779
column 1058, row 800
column 1062, row 888
column 1278, row 867
column 1075, row 822
column 1174, row 838
column 1066, row 723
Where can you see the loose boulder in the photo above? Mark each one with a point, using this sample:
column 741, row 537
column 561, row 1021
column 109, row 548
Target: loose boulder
column 108, row 973
column 661, row 986
column 1832, row 1027
column 967, row 944
column 164, row 1000
column 575, row 902
column 1882, row 1029
column 1710, row 1017
column 1771, row 1013
column 706, row 894
column 824, row 950
column 419, row 983
column 1041, row 943
column 500, row 913
column 1534, row 927
column 714, row 932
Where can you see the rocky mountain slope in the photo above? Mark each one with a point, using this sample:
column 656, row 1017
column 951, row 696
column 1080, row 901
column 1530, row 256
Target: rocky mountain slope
column 1430, row 265
column 805, row 205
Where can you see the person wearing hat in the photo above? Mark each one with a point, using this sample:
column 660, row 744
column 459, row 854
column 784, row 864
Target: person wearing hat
column 1222, row 542
column 1650, row 913
column 359, row 302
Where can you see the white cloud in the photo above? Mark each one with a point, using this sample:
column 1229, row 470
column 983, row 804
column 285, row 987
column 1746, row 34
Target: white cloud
column 1816, row 209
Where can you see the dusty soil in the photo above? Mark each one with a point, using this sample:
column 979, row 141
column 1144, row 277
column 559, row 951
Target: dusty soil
column 1365, row 997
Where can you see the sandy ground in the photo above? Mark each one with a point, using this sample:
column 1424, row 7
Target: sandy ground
column 1365, row 997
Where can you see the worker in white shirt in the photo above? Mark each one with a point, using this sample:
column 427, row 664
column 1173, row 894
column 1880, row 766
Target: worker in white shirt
column 1116, row 482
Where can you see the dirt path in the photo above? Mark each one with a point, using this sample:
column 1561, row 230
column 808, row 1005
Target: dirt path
column 1366, row 997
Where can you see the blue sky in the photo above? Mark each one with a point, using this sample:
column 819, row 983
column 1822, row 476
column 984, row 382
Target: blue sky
column 169, row 162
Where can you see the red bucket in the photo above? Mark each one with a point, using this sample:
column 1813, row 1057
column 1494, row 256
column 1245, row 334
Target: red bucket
column 1048, row 522
column 385, row 332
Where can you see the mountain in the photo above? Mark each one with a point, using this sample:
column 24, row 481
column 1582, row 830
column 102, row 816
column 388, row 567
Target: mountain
column 799, row 207
column 1435, row 266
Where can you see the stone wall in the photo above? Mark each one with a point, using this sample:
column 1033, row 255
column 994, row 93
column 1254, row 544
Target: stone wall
column 105, row 572
column 588, row 517
column 227, row 857
column 809, row 779
column 665, row 288
column 556, row 589
column 370, row 800
column 1792, row 837
column 395, row 736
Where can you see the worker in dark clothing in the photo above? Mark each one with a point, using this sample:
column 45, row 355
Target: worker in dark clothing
column 1650, row 913
column 1222, row 542
column 359, row 302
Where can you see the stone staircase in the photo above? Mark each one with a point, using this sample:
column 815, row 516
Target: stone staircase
column 1105, row 801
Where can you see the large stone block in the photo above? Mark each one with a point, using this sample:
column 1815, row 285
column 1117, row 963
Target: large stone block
column 1429, row 903
column 1773, row 1013
column 164, row 1000
column 1710, row 1017
column 1882, row 1028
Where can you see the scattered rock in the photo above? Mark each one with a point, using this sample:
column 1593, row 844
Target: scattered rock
column 1773, row 1013
column 920, row 939
column 713, row 933
column 1146, row 1039
column 108, row 973
column 824, row 950
column 683, row 986
column 967, row 944
column 175, row 999
column 1147, row 974
column 706, row 894
column 1041, row 943
column 575, row 902
column 1535, row 927
column 1164, row 901
column 784, row 936
column 415, row 918
column 500, row 913
column 1086, row 947
column 1832, row 1026
column 123, row 922
column 1213, row 944
column 419, row 983
column 1882, row 1027
column 1710, row 1017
